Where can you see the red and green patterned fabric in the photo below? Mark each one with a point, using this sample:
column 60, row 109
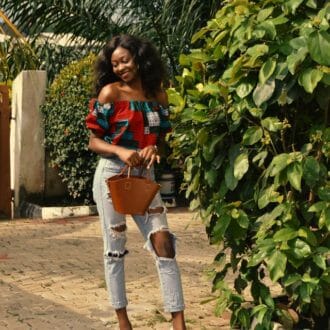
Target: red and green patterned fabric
column 131, row 124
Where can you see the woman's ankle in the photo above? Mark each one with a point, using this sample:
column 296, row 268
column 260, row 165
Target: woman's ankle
column 123, row 320
column 125, row 325
column 178, row 321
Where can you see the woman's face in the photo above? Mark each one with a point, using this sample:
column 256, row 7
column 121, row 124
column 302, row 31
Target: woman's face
column 123, row 64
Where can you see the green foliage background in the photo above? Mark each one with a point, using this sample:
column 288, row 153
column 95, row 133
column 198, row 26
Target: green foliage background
column 66, row 136
column 168, row 23
column 251, row 114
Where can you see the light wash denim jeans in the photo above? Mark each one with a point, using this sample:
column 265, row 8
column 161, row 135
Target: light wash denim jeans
column 114, row 241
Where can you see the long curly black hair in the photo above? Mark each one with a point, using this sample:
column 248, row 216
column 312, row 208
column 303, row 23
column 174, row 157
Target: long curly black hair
column 146, row 57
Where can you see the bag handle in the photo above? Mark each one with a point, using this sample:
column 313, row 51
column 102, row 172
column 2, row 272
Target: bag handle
column 128, row 168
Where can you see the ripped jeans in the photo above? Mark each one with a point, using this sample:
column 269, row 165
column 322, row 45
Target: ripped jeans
column 115, row 240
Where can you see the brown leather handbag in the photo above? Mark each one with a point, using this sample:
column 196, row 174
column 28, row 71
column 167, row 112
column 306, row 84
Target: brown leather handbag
column 131, row 194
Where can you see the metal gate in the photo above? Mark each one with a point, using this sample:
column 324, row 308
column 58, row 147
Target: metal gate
column 5, row 191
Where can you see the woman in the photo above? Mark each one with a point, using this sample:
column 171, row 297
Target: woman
column 128, row 121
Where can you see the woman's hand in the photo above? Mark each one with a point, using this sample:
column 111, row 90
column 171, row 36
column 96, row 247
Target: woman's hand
column 149, row 155
column 130, row 157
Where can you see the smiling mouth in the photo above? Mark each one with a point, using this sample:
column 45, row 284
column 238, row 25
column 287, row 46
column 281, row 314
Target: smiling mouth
column 124, row 74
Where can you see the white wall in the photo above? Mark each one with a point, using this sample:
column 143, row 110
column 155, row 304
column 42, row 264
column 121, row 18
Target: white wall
column 27, row 136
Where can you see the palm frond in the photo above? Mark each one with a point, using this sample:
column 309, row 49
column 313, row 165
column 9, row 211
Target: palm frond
column 170, row 24
column 16, row 53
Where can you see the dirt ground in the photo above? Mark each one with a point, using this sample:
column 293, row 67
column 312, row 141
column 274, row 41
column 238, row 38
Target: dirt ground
column 51, row 276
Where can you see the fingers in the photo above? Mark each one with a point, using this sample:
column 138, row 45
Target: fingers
column 153, row 158
column 147, row 156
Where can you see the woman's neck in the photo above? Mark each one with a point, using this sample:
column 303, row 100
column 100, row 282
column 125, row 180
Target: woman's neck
column 132, row 90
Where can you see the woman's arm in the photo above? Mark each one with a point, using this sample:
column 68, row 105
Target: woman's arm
column 101, row 147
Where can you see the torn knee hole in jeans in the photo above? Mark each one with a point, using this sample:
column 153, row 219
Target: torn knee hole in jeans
column 116, row 254
column 163, row 247
column 118, row 231
column 156, row 210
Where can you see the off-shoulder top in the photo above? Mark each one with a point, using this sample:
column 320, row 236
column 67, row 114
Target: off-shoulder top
column 131, row 124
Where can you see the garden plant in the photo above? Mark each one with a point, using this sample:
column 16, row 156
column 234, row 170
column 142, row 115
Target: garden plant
column 251, row 114
column 169, row 24
column 66, row 136
column 16, row 53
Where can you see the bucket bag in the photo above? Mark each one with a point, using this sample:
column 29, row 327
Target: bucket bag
column 131, row 194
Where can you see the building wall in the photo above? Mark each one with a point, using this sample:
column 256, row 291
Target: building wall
column 28, row 161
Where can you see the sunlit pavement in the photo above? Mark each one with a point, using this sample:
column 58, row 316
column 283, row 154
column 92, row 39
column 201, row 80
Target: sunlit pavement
column 51, row 275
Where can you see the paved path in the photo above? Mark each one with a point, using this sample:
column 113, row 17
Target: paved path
column 51, row 276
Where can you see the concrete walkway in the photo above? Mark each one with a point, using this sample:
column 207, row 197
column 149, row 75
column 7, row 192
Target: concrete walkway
column 51, row 276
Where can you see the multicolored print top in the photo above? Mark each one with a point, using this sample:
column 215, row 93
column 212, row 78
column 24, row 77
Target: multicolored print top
column 131, row 124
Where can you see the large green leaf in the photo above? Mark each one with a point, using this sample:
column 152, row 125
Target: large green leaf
column 260, row 158
column 294, row 174
column 318, row 207
column 252, row 135
column 264, row 14
column 279, row 163
column 243, row 219
column 263, row 92
column 295, row 59
column 211, row 176
column 272, row 124
column 231, row 181
column 259, row 313
column 210, row 144
column 298, row 43
column 319, row 47
column 285, row 234
column 244, row 88
column 257, row 258
column 281, row 71
column 279, row 20
column 221, row 227
column 324, row 193
column 276, row 265
column 324, row 220
column 267, row 70
column 300, row 249
column 241, row 166
column 257, row 50
column 311, row 3
column 309, row 78
column 269, row 29
column 291, row 278
column 292, row 5
column 306, row 233
column 305, row 292
column 176, row 99
column 320, row 261
column 267, row 196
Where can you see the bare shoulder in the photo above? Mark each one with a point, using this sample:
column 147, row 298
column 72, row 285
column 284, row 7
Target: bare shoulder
column 109, row 93
column 162, row 98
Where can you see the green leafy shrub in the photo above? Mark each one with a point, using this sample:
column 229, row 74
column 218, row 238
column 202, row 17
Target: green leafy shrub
column 251, row 114
column 66, row 136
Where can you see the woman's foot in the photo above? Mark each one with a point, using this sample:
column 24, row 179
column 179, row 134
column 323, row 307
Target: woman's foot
column 178, row 321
